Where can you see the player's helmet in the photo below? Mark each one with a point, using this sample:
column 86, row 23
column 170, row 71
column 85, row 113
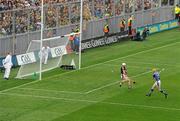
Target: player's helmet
column 154, row 69
column 123, row 64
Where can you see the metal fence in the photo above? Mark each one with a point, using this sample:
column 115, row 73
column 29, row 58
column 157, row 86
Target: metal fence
column 19, row 26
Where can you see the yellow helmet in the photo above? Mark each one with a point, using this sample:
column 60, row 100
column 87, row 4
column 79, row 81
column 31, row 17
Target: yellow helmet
column 154, row 69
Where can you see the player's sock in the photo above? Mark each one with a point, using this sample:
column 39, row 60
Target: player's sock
column 149, row 94
column 166, row 95
column 120, row 84
column 129, row 87
column 163, row 92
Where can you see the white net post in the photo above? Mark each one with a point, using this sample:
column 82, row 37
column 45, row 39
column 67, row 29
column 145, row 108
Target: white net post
column 81, row 23
column 42, row 28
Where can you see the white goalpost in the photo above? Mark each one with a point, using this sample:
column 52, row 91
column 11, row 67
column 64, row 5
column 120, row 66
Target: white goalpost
column 81, row 23
column 59, row 52
column 42, row 28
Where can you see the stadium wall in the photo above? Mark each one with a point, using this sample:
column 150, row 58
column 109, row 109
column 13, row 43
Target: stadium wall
column 113, row 38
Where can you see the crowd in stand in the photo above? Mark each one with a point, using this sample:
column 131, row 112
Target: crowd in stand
column 21, row 16
column 19, row 4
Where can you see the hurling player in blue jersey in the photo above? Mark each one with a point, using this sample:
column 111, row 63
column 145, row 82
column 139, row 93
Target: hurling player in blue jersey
column 157, row 83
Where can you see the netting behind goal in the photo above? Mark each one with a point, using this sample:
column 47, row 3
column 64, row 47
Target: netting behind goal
column 58, row 50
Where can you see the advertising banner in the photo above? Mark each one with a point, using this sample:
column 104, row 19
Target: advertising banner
column 58, row 51
column 160, row 26
column 26, row 58
column 96, row 42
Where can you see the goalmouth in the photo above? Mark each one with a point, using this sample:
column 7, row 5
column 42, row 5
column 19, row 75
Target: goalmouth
column 55, row 51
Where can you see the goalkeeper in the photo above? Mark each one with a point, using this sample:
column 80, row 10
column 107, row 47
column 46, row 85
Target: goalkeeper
column 45, row 53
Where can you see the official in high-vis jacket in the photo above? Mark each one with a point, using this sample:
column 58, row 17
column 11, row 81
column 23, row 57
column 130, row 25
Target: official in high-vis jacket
column 177, row 12
column 106, row 33
column 130, row 21
column 122, row 25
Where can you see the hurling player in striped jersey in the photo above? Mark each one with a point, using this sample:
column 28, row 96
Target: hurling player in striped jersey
column 124, row 77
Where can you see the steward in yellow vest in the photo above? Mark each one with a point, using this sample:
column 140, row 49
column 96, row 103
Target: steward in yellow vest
column 122, row 25
column 130, row 20
column 177, row 12
column 106, row 29
column 106, row 33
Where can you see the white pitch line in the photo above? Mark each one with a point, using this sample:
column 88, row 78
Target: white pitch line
column 142, row 106
column 167, row 45
column 91, row 101
column 154, row 63
column 116, row 65
column 102, row 87
column 55, row 91
column 110, row 84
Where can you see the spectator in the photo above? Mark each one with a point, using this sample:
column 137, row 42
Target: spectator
column 147, row 4
column 63, row 15
column 119, row 5
column 138, row 5
column 109, row 5
column 99, row 8
column 75, row 13
column 164, row 2
column 155, row 3
column 86, row 14
column 129, row 6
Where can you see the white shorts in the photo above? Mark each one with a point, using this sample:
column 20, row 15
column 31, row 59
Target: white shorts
column 157, row 84
column 124, row 77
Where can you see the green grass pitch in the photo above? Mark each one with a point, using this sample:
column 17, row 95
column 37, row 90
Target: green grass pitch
column 93, row 93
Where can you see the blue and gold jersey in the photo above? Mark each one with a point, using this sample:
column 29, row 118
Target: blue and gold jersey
column 156, row 76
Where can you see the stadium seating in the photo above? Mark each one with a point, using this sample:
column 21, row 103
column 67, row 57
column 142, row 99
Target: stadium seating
column 25, row 14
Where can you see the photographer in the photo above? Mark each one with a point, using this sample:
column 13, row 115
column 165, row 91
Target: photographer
column 145, row 33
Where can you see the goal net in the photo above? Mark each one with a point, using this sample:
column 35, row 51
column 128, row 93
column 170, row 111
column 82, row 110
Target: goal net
column 55, row 52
